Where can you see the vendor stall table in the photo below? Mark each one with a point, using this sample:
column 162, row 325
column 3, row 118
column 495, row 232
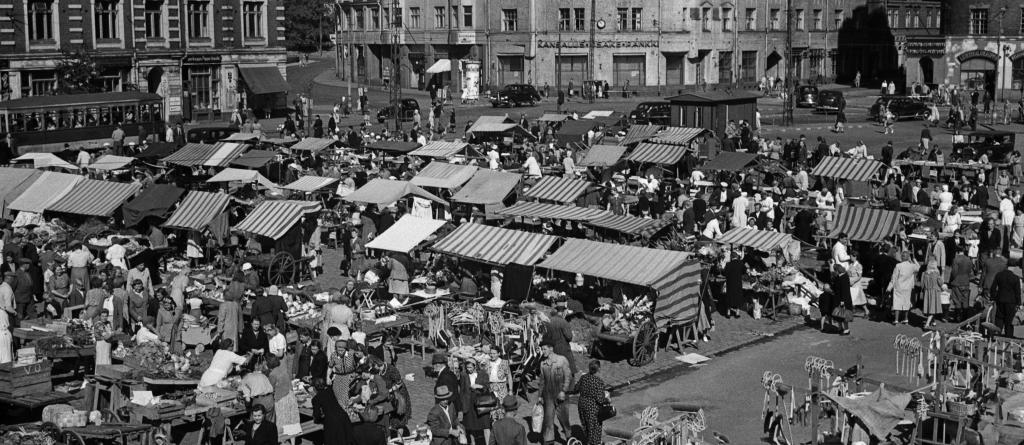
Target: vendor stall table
column 36, row 401
column 124, row 433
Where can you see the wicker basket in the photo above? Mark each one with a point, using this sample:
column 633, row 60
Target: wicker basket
column 960, row 409
column 72, row 419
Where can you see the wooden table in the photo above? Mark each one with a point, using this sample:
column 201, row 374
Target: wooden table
column 36, row 401
column 123, row 432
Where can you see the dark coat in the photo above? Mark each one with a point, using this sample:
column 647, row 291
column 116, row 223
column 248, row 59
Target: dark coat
column 1006, row 288
column 508, row 431
column 734, row 271
column 312, row 365
column 470, row 419
column 440, row 426
column 329, row 413
column 448, row 378
column 266, row 434
column 249, row 341
column 367, row 433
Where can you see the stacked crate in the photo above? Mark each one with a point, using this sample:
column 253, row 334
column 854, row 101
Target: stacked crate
column 25, row 380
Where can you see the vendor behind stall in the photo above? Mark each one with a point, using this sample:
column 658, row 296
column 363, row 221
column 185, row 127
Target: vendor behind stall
column 224, row 361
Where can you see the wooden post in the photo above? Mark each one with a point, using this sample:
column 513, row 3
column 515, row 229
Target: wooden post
column 814, row 414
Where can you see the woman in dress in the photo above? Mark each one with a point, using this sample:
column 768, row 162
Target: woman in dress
column 60, row 283
column 102, row 330
column 500, row 376
column 902, row 285
column 138, row 303
column 952, row 221
column 931, row 282
column 358, row 256
column 229, row 316
column 286, row 408
column 592, row 395
column 473, row 384
column 6, row 340
column 168, row 321
column 400, row 396
column 856, row 273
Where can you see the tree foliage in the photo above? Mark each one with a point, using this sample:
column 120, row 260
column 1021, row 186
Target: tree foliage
column 77, row 73
column 304, row 19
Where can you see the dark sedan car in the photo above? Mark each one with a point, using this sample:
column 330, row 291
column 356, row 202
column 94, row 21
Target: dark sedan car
column 829, row 101
column 515, row 95
column 807, row 96
column 651, row 113
column 997, row 144
column 408, row 107
column 902, row 107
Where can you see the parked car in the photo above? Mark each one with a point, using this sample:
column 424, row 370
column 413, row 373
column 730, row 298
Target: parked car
column 209, row 135
column 998, row 144
column 651, row 113
column 515, row 95
column 807, row 96
column 829, row 101
column 902, row 107
column 406, row 108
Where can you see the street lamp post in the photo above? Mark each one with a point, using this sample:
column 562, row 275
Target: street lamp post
column 999, row 65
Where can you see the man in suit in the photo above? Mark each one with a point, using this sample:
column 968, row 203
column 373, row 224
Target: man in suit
column 24, row 289
column 1006, row 293
column 560, row 333
column 259, row 431
column 447, row 378
column 442, row 419
column 270, row 308
column 301, row 347
column 507, row 430
column 555, row 381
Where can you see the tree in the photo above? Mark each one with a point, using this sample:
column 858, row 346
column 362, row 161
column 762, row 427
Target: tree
column 304, row 19
column 77, row 73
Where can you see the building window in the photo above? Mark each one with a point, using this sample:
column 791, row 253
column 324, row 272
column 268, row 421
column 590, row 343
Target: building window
column 439, row 17
column 893, row 16
column 414, row 18
column 819, row 20
column 38, row 83
column 1018, row 74
column 938, row 18
column 204, row 87
column 837, row 16
column 1022, row 20
column 623, row 22
column 40, row 21
column 726, row 19
column 725, row 67
column 751, row 19
column 455, row 17
column 105, row 20
column 579, row 19
column 509, row 19
column 374, row 18
column 199, row 20
column 776, row 19
column 563, row 19
column 908, row 20
column 154, row 20
column 252, row 23
column 638, row 14
column 705, row 19
column 360, row 18
column 800, row 19
column 748, row 66
column 110, row 80
column 396, row 20
column 467, row 16
column 979, row 21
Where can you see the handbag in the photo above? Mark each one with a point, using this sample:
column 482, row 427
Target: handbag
column 485, row 403
column 841, row 313
column 605, row 410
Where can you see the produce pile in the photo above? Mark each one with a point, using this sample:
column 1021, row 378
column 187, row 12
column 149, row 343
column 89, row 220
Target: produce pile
column 79, row 334
column 627, row 317
column 297, row 309
column 155, row 360
column 43, row 434
column 467, row 353
column 770, row 279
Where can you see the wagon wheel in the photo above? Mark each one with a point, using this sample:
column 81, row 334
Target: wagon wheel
column 73, row 438
column 281, row 269
column 644, row 344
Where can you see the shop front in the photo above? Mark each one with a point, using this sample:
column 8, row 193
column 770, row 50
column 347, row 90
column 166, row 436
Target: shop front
column 978, row 70
column 265, row 88
column 925, row 60
column 630, row 69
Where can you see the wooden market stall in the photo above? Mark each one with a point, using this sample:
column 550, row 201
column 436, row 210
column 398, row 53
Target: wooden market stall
column 282, row 228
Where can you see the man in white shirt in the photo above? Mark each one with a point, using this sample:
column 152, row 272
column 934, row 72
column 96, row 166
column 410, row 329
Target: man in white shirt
column 1006, row 214
column 695, row 177
column 802, row 181
column 276, row 341
column 712, row 230
column 739, row 210
column 532, row 166
column 84, row 158
column 223, row 362
column 839, row 254
column 7, row 295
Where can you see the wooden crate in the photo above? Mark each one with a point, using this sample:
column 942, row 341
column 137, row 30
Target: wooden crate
column 113, row 371
column 11, row 375
column 26, row 390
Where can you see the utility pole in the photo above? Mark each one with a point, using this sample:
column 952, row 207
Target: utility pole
column 336, row 12
column 787, row 105
column 593, row 33
column 351, row 55
column 396, row 49
column 558, row 67
column 451, row 48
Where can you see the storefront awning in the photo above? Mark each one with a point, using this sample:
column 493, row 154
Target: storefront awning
column 47, row 188
column 494, row 245
column 865, row 224
column 444, row 175
column 603, row 156
column 487, row 187
column 639, row 133
column 263, row 79
column 847, row 168
column 553, row 188
column 384, row 192
column 552, row 211
column 272, row 219
column 407, row 233
column 310, row 184
column 730, row 161
column 441, row 66
column 198, row 210
column 94, row 198
column 762, row 240
column 156, row 200
column 663, row 154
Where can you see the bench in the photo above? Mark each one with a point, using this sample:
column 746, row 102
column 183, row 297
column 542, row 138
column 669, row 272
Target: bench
column 308, row 427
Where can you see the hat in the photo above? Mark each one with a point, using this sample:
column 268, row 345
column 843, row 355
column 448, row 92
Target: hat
column 439, row 359
column 509, row 403
column 272, row 290
column 24, row 261
column 442, row 393
column 247, row 266
column 547, row 342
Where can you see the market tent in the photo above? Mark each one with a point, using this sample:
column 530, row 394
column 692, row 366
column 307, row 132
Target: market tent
column 111, row 162
column 155, row 200
column 45, row 160
column 865, row 224
column 670, row 273
column 879, row 412
column 598, row 113
column 92, row 197
column 553, row 117
column 487, row 187
column 198, row 210
column 444, row 175
column 47, row 188
column 407, row 233
column 393, row 146
column 494, row 245
column 14, row 181
column 552, row 211
column 486, row 120
column 241, row 137
column 603, row 156
column 553, row 188
column 513, row 129
column 730, row 161
column 663, row 154
column 575, row 131
column 225, row 152
column 630, row 225
column 254, row 159
column 440, row 66
column 310, row 184
column 386, row 191
column 157, row 150
column 189, row 155
column 239, row 175
column 639, row 133
column 272, row 219
column 762, row 240
column 313, row 144
column 446, row 149
column 847, row 168
column 677, row 135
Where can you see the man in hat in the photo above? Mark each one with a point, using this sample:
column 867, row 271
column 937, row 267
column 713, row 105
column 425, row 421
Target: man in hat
column 560, row 334
column 252, row 280
column 443, row 418
column 1006, row 294
column 555, row 380
column 446, row 377
column 24, row 289
column 508, row 430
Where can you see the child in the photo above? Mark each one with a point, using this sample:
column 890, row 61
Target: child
column 944, row 298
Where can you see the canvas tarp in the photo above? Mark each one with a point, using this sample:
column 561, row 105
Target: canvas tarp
column 730, row 161
column 562, row 190
column 865, row 224
column 14, row 181
column 93, row 197
column 156, row 200
column 383, row 192
column 273, row 219
column 603, row 156
column 762, row 240
column 444, row 175
column 47, row 189
column 487, row 187
column 495, row 245
column 847, row 168
column 407, row 233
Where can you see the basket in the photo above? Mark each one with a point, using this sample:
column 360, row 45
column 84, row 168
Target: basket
column 795, row 309
column 960, row 409
column 71, row 419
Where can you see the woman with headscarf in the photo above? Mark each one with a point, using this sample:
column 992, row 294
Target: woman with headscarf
column 178, row 285
column 229, row 314
column 902, row 285
column 931, row 284
column 1018, row 229
column 286, row 408
column 168, row 322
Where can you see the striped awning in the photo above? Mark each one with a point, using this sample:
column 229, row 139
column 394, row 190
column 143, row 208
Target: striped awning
column 198, row 210
column 440, row 149
column 762, row 240
column 677, row 135
column 405, row 234
column 494, row 245
column 443, row 175
column 487, row 187
column 664, row 154
column 310, row 184
column 273, row 219
column 225, row 152
column 639, row 133
column 865, row 224
column 386, row 191
column 111, row 162
column 242, row 137
column 190, row 155
column 847, row 168
column 670, row 273
column 313, row 144
column 730, row 161
column 553, row 188
column 630, row 225
column 47, row 188
column 603, row 156
column 552, row 211
column 94, row 198
column 553, row 117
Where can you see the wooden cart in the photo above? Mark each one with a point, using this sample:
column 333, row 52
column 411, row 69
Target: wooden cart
column 643, row 344
column 279, row 268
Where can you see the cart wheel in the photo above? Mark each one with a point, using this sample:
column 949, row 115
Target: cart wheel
column 281, row 269
column 644, row 344
column 73, row 438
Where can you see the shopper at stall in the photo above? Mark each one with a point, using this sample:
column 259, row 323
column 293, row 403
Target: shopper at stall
column 338, row 314
column 400, row 397
column 102, row 331
column 555, row 382
column 843, row 302
column 229, row 313
column 254, row 339
column 178, row 284
column 256, row 389
column 141, row 273
column 474, row 384
column 902, row 286
column 260, row 430
column 328, row 412
column 443, row 418
column 138, row 304
column 735, row 272
column 560, row 333
column 857, row 279
column 286, row 408
column 270, row 308
column 312, row 363
column 499, row 375
column 24, row 290
column 223, row 363
column 277, row 345
column 252, row 279
column 507, row 430
column 168, row 324
column 116, row 253
column 592, row 391
column 931, row 289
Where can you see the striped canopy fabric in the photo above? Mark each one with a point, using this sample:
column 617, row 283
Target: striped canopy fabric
column 46, row 189
column 224, row 153
column 553, row 188
column 552, row 211
column 639, row 133
column 494, row 245
column 663, row 154
column 94, row 198
column 730, row 161
column 310, row 184
column 865, row 224
column 677, row 135
column 313, row 144
column 190, row 155
column 443, row 175
column 671, row 274
column 439, row 149
column 847, row 168
column 272, row 219
column 762, row 240
column 603, row 156
column 198, row 210
column 487, row 187
column 630, row 225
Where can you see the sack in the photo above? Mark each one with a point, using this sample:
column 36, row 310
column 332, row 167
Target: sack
column 485, row 403
column 605, row 411
column 841, row 313
column 537, row 418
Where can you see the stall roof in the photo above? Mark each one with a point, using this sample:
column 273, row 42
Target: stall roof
column 440, row 66
column 598, row 113
column 630, row 225
column 669, row 272
column 677, row 135
column 310, row 184
column 241, row 137
column 663, row 154
column 442, row 149
column 576, row 128
column 225, row 152
column 313, row 144
column 487, row 187
column 603, row 156
column 553, row 117
column 158, row 150
column 444, row 175
column 14, row 181
column 494, row 245
column 553, row 188
column 263, row 79
column 386, row 191
column 732, row 161
column 407, row 233
column 47, row 188
column 713, row 97
column 272, row 219
column 393, row 146
column 254, row 159
column 190, row 155
column 239, row 175
column 552, row 211
column 639, row 133
column 762, row 240
column 847, row 168
column 111, row 162
column 198, row 210
column 865, row 224
column 46, row 160
column 94, row 198
column 155, row 200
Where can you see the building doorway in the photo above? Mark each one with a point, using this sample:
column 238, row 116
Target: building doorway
column 927, row 70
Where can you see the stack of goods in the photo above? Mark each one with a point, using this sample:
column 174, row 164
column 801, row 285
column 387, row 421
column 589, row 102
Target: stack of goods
column 154, row 360
column 769, row 280
column 469, row 352
column 72, row 336
column 27, row 376
column 32, row 434
column 301, row 310
column 625, row 319
column 132, row 245
column 197, row 331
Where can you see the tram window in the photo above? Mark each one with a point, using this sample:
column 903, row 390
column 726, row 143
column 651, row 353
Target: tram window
column 92, row 117
column 3, row 123
column 51, row 120
column 105, row 116
column 129, row 114
column 32, row 123
column 18, row 122
column 117, row 115
column 63, row 119
column 78, row 118
column 157, row 115
column 144, row 113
